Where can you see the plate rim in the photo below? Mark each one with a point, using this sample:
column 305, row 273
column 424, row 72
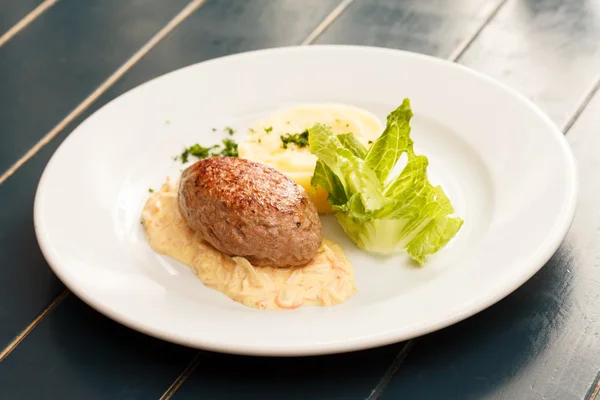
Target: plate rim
column 506, row 287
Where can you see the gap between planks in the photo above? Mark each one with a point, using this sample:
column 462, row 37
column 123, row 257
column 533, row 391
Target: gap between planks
column 154, row 40
column 189, row 370
column 26, row 20
column 21, row 336
column 392, row 369
column 594, row 389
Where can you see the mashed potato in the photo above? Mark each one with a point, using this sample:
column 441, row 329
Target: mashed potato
column 264, row 143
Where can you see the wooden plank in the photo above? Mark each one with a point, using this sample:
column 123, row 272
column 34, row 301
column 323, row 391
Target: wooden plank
column 62, row 57
column 547, row 49
column 26, row 283
column 436, row 27
column 542, row 340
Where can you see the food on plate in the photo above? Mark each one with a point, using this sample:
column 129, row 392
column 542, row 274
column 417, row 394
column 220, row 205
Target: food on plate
column 243, row 208
column 379, row 210
column 326, row 280
column 281, row 141
column 249, row 226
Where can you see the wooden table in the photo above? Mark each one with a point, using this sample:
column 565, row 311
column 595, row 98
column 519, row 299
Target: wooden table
column 62, row 60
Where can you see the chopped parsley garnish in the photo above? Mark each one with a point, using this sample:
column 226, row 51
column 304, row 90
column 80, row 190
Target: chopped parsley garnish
column 370, row 142
column 299, row 139
column 196, row 151
column 229, row 149
column 214, row 129
column 150, row 190
column 229, row 130
column 251, row 130
column 269, row 129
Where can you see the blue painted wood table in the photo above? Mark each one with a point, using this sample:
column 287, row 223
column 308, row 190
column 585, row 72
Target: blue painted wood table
column 60, row 60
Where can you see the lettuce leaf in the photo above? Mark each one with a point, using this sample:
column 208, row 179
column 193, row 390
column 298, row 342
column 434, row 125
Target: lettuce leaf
column 393, row 142
column 351, row 171
column 379, row 212
column 349, row 141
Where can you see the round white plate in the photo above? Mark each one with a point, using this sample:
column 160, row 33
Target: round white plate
column 507, row 169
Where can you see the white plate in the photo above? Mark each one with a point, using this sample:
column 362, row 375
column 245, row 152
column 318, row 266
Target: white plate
column 505, row 166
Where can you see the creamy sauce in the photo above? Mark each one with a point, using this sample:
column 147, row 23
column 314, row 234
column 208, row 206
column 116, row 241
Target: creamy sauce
column 264, row 145
column 327, row 280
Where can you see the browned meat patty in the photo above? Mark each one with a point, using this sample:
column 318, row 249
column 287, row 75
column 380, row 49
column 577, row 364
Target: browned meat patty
column 247, row 209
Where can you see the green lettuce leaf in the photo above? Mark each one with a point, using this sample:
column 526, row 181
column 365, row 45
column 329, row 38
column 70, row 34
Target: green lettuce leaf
column 379, row 212
column 433, row 237
column 324, row 177
column 352, row 172
column 393, row 142
column 349, row 141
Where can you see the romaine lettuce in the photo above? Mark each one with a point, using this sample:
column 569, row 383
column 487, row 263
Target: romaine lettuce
column 379, row 212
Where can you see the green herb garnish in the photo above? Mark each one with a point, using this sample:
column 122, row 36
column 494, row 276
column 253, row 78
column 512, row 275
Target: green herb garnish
column 230, row 149
column 269, row 129
column 150, row 190
column 196, row 151
column 229, row 130
column 299, row 139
